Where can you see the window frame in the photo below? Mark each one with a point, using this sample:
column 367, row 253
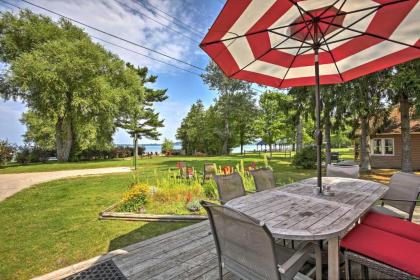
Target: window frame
column 382, row 140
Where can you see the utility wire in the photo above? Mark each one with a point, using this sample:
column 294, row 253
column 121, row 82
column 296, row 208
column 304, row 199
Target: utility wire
column 174, row 20
column 133, row 51
column 122, row 39
column 164, row 25
column 155, row 59
column 109, row 34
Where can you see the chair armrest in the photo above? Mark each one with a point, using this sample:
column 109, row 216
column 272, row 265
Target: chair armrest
column 403, row 200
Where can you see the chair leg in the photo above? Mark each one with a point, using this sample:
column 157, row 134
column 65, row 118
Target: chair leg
column 318, row 263
column 365, row 272
column 347, row 266
column 220, row 269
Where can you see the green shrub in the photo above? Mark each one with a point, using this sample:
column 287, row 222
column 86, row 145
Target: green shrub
column 6, row 152
column 306, row 158
column 135, row 199
column 23, row 156
column 210, row 189
column 193, row 206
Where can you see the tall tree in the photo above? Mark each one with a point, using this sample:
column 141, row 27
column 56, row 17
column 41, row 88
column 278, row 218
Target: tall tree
column 272, row 121
column 137, row 115
column 226, row 88
column 365, row 102
column 62, row 76
column 302, row 108
column 245, row 115
column 405, row 90
column 191, row 129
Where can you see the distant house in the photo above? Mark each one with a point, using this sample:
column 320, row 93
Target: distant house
column 386, row 146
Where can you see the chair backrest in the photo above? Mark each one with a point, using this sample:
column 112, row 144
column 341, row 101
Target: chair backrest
column 403, row 186
column 209, row 170
column 344, row 171
column 263, row 178
column 245, row 245
column 229, row 186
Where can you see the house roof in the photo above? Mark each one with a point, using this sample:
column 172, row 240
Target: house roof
column 393, row 124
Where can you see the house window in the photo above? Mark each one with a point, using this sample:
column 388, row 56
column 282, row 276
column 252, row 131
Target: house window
column 383, row 147
column 377, row 146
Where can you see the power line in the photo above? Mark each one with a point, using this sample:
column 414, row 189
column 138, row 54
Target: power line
column 110, row 34
column 122, row 39
column 164, row 25
column 155, row 59
column 175, row 21
column 133, row 51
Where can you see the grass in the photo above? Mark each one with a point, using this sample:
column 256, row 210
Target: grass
column 56, row 166
column 345, row 153
column 55, row 224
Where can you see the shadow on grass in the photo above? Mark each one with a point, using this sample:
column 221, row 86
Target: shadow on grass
column 146, row 231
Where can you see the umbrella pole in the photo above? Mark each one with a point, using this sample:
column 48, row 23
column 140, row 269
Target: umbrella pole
column 318, row 133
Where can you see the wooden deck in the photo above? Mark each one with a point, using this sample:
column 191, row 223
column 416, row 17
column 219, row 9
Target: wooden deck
column 187, row 253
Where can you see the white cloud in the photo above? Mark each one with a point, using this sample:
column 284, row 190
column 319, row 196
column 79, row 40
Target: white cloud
column 129, row 20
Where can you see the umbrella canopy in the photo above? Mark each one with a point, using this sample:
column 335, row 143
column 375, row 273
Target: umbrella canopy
column 286, row 43
column 272, row 42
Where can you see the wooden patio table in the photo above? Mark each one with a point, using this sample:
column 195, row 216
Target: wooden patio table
column 295, row 212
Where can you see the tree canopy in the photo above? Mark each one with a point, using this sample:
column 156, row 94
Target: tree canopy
column 76, row 91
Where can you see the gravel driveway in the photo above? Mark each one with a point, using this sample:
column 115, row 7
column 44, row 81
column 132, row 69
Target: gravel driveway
column 13, row 183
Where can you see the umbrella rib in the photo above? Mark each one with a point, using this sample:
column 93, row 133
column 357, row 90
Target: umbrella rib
column 270, row 49
column 300, row 8
column 353, row 23
column 331, row 54
column 304, row 21
column 329, row 7
column 374, row 35
column 344, row 39
column 335, row 16
column 366, row 9
column 292, row 48
column 293, row 60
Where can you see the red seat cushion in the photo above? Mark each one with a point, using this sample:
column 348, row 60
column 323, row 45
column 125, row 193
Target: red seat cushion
column 384, row 247
column 394, row 225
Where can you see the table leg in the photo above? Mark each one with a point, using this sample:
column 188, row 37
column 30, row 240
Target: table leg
column 333, row 259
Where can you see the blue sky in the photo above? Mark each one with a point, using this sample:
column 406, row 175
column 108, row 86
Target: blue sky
column 130, row 20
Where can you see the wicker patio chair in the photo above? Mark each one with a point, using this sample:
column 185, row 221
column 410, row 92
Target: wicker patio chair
column 344, row 171
column 209, row 171
column 403, row 194
column 381, row 250
column 263, row 178
column 229, row 186
column 246, row 248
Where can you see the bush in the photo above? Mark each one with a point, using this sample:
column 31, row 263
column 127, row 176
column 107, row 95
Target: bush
column 306, row 158
column 41, row 155
column 23, row 156
column 6, row 152
column 210, row 189
column 135, row 199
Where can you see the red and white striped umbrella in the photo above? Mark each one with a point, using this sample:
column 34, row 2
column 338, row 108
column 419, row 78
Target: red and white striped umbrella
column 272, row 42
column 286, row 43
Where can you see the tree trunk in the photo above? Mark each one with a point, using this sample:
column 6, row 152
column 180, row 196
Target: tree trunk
column 365, row 145
column 328, row 141
column 63, row 138
column 299, row 135
column 271, row 151
column 135, row 152
column 226, row 136
column 405, row 134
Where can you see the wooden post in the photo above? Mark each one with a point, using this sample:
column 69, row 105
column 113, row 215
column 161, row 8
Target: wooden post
column 333, row 259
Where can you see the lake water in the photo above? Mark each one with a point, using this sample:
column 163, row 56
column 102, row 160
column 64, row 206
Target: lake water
column 158, row 148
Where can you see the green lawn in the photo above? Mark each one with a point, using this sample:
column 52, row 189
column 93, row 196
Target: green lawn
column 345, row 153
column 56, row 224
column 55, row 166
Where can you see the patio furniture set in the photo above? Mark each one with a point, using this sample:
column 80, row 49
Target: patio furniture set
column 253, row 231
